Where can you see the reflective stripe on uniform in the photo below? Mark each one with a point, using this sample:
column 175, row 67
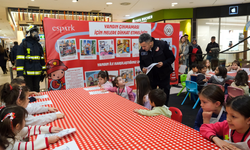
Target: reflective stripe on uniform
column 42, row 57
column 19, row 68
column 20, row 57
column 44, row 67
column 32, row 72
column 33, row 57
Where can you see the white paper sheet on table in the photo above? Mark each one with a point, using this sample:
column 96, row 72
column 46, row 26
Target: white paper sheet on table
column 150, row 67
column 98, row 92
column 60, row 134
column 41, row 97
column 182, row 68
column 92, row 88
column 39, row 103
column 68, row 146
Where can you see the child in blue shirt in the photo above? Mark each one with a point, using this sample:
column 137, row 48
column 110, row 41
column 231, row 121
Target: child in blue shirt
column 212, row 109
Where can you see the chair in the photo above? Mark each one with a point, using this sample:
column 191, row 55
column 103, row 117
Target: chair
column 234, row 92
column 222, row 88
column 176, row 114
column 183, row 83
column 192, row 88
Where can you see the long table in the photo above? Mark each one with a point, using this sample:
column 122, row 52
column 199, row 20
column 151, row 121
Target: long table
column 107, row 121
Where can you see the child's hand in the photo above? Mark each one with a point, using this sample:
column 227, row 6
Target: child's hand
column 52, row 109
column 136, row 110
column 56, row 129
column 53, row 139
column 223, row 144
column 205, row 80
column 59, row 116
column 144, row 70
column 206, row 117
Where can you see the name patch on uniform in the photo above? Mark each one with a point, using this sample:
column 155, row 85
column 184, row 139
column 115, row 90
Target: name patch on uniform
column 144, row 53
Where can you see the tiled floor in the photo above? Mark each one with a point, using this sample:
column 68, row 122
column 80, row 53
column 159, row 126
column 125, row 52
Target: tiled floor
column 6, row 78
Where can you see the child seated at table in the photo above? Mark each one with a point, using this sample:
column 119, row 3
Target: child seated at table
column 201, row 78
column 219, row 77
column 235, row 129
column 13, row 132
column 212, row 109
column 21, row 82
column 34, row 109
column 208, row 65
column 157, row 99
column 18, row 95
column 241, row 81
column 143, row 88
column 103, row 77
column 234, row 67
column 193, row 71
column 122, row 90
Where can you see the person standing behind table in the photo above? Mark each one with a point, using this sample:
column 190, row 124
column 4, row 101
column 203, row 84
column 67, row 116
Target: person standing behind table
column 184, row 52
column 211, row 45
column 3, row 59
column 155, row 51
column 14, row 53
column 196, row 55
column 30, row 60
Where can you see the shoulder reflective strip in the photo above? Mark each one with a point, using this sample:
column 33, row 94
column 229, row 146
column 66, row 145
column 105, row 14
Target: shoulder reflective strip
column 42, row 57
column 44, row 67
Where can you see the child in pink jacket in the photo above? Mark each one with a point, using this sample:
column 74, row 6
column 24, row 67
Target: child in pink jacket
column 235, row 130
column 121, row 89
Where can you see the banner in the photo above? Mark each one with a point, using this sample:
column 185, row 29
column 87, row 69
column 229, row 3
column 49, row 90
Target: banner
column 77, row 50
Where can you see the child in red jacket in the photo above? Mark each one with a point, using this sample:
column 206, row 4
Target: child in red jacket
column 235, row 130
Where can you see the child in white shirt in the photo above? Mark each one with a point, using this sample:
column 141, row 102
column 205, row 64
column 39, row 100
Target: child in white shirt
column 193, row 71
column 13, row 130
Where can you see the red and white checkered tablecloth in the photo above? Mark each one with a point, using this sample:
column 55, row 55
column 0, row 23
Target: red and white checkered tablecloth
column 107, row 121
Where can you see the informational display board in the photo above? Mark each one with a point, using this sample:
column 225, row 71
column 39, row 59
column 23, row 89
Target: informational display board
column 77, row 50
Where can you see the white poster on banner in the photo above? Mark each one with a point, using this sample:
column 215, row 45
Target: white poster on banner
column 106, row 49
column 88, row 49
column 169, row 41
column 112, row 75
column 68, row 50
column 74, row 78
column 123, row 47
column 128, row 76
column 135, row 47
column 105, row 29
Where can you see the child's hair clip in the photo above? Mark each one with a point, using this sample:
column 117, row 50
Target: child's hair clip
column 11, row 115
column 11, row 87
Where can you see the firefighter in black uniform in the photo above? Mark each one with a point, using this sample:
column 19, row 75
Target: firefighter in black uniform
column 30, row 59
column 155, row 51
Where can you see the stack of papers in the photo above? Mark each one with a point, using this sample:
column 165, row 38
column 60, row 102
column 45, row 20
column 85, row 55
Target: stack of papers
column 39, row 103
column 68, row 146
column 150, row 67
column 60, row 134
column 98, row 92
column 92, row 88
column 41, row 97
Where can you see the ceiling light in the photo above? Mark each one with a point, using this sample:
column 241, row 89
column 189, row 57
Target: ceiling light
column 127, row 15
column 32, row 0
column 74, row 1
column 173, row 4
column 109, row 3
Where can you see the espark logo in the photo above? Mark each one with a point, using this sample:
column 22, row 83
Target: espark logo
column 65, row 28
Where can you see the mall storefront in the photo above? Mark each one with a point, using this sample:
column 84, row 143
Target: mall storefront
column 226, row 23
column 182, row 16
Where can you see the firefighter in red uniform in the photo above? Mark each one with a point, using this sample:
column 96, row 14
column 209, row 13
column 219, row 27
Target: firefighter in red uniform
column 56, row 71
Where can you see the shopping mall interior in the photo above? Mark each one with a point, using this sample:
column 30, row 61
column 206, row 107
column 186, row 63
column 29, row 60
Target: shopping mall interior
column 81, row 38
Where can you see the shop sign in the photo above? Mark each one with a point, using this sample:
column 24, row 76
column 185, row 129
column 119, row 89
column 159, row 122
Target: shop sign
column 143, row 19
column 233, row 10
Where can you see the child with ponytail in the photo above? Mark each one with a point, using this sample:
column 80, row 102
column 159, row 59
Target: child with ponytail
column 19, row 95
column 103, row 78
